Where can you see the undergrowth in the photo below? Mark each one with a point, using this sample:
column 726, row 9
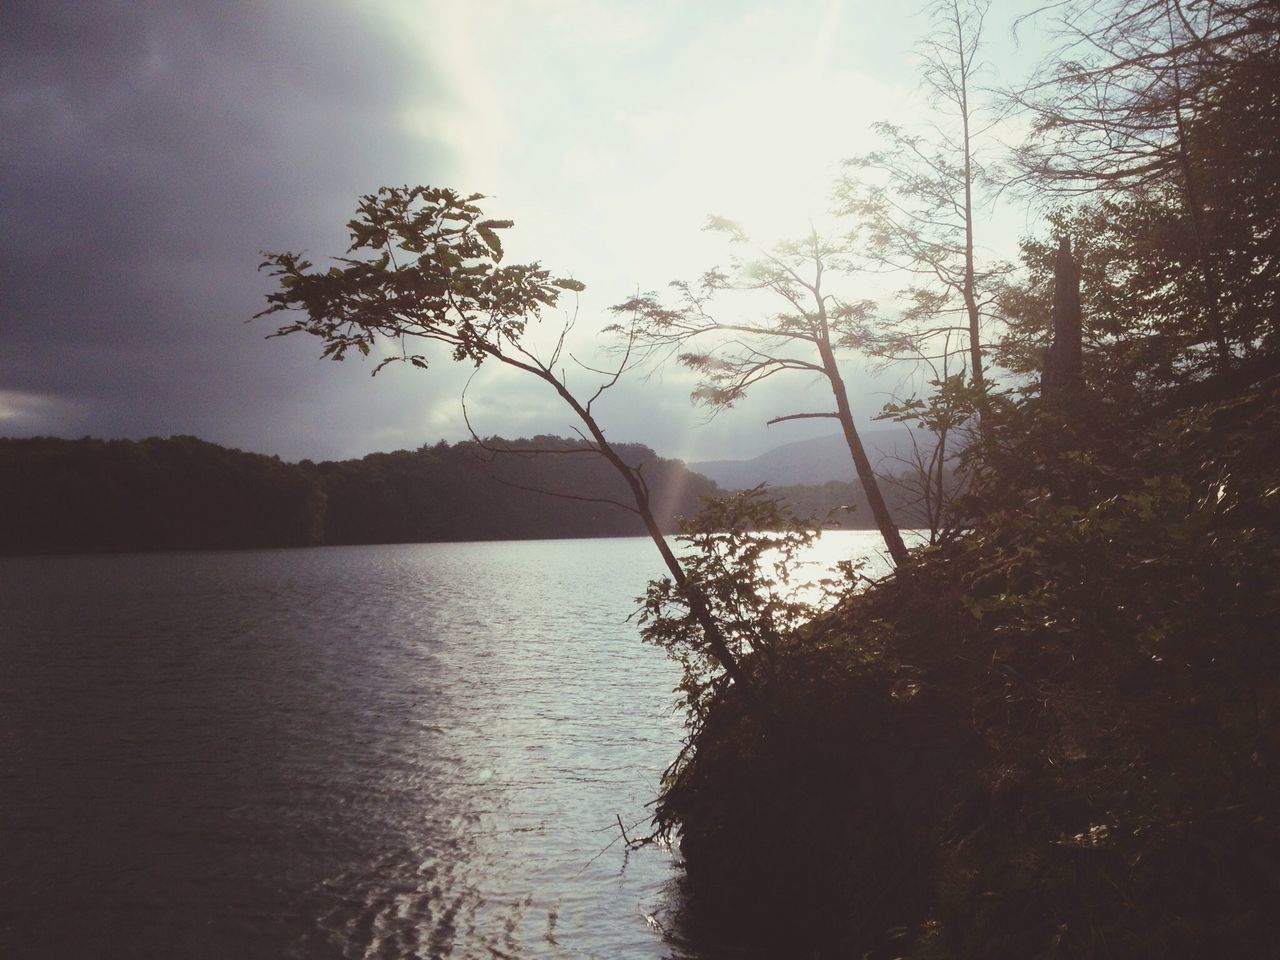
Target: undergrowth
column 1055, row 735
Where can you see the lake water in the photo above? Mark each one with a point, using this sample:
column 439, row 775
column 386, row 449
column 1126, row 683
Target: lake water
column 349, row 752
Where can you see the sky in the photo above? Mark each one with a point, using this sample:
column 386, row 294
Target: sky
column 153, row 148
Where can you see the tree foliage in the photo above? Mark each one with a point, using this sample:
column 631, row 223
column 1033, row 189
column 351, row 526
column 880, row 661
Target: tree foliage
column 431, row 271
column 742, row 553
column 1163, row 98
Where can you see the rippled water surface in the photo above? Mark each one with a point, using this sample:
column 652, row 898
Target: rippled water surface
column 384, row 751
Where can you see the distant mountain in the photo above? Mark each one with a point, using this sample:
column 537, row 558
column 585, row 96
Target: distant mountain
column 813, row 462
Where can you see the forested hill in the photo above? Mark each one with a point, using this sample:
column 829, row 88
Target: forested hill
column 185, row 493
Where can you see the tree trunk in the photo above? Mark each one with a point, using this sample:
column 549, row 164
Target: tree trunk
column 970, row 281
column 1208, row 274
column 1063, row 364
column 866, row 476
column 693, row 596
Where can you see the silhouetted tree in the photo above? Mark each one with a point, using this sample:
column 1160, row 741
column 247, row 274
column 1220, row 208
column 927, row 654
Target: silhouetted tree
column 425, row 267
column 916, row 198
column 1142, row 98
column 1062, row 366
column 803, row 335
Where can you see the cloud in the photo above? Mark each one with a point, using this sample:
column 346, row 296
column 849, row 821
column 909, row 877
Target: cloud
column 151, row 150
column 34, row 413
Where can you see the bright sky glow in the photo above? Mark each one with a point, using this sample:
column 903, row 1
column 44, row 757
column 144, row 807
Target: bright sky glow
column 155, row 148
column 609, row 131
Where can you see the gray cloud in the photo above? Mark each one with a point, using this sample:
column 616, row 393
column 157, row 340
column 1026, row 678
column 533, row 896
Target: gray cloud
column 151, row 149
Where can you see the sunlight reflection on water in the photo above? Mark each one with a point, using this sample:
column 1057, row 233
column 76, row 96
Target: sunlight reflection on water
column 341, row 752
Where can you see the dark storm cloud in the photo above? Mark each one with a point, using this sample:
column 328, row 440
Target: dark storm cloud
column 148, row 151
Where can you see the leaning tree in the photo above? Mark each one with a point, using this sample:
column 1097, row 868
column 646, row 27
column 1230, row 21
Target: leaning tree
column 425, row 267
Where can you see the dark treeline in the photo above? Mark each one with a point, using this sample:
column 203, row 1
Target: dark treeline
column 184, row 493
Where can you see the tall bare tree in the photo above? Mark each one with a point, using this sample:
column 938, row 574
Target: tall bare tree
column 916, row 199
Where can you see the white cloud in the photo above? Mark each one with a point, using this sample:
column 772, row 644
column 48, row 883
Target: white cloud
column 23, row 413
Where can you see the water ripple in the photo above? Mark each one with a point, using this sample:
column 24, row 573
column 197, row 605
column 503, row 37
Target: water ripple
column 365, row 752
